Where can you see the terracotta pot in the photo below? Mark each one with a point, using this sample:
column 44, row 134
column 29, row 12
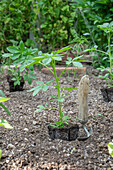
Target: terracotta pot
column 67, row 132
column 80, row 70
column 107, row 94
column 13, row 88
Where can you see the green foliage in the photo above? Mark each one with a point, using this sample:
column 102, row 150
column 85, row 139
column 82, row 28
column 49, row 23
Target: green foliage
column 56, row 19
column 47, row 60
column 95, row 13
column 20, row 55
column 16, row 20
column 108, row 29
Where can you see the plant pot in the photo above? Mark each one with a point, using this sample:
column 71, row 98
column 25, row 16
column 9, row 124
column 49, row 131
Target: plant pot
column 79, row 70
column 13, row 88
column 67, row 132
column 107, row 94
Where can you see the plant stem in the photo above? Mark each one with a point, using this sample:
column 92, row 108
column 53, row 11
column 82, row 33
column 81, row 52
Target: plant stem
column 58, row 88
column 109, row 46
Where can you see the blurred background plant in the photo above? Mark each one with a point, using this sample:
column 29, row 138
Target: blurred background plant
column 52, row 24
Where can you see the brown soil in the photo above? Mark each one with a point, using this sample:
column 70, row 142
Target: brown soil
column 28, row 145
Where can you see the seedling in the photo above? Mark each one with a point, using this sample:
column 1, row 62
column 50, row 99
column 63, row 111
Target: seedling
column 20, row 55
column 47, row 60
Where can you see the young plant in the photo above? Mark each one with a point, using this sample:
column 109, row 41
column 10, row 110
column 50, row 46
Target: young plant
column 47, row 60
column 20, row 55
column 108, row 29
column 3, row 122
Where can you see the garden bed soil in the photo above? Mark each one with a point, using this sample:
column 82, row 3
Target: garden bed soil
column 107, row 94
column 28, row 145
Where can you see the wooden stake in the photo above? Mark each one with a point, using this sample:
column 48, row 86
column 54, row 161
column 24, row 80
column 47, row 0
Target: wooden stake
column 83, row 99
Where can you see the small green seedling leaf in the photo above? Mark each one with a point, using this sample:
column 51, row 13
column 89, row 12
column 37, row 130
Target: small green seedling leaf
column 45, row 87
column 39, row 82
column 2, row 94
column 41, row 107
column 110, row 148
column 12, row 49
column 2, row 99
column 70, row 89
column 5, row 108
column 5, row 124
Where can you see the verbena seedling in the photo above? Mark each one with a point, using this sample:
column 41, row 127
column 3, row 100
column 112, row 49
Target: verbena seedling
column 108, row 29
column 47, row 60
column 20, row 55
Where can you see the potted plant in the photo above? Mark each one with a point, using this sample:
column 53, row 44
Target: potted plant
column 60, row 129
column 19, row 56
column 107, row 72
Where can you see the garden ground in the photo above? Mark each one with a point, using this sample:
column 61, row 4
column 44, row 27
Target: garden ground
column 28, row 146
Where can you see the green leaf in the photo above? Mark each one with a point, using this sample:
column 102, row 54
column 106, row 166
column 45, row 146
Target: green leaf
column 33, row 76
column 1, row 92
column 77, row 64
column 62, row 50
column 66, row 117
column 5, row 124
column 60, row 99
column 21, row 45
column 57, row 58
column 5, row 55
column 41, row 107
column 40, row 58
column 34, row 50
column 76, row 58
column 46, row 61
column 2, row 99
column 36, row 91
column 39, row 82
column 52, row 125
column 29, row 81
column 110, row 148
column 30, row 64
column 15, row 56
column 92, row 49
column 45, row 87
column 12, row 49
column 70, row 89
column 49, row 81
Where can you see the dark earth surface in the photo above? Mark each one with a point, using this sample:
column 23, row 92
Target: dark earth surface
column 28, row 146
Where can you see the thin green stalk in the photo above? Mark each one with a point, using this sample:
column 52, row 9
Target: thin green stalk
column 58, row 88
column 101, row 52
column 46, row 67
column 64, row 70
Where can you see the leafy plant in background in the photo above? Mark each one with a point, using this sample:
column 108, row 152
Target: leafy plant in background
column 3, row 122
column 17, row 19
column 55, row 18
column 95, row 13
column 20, row 55
column 47, row 60
column 108, row 29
